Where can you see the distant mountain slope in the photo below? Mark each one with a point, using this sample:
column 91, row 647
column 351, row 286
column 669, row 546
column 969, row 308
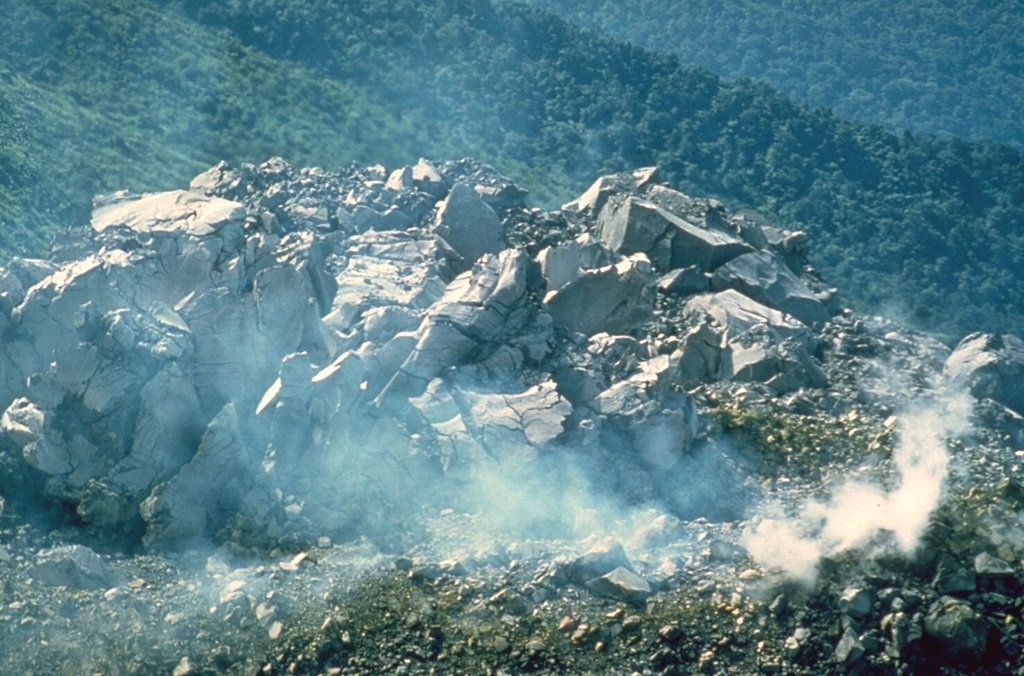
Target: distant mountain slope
column 112, row 94
column 131, row 95
column 920, row 225
column 927, row 65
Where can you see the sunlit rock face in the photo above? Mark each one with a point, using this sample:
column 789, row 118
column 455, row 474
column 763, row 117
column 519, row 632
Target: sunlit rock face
column 640, row 422
column 186, row 359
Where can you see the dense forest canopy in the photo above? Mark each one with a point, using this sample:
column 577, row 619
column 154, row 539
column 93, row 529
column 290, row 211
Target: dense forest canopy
column 143, row 94
column 934, row 66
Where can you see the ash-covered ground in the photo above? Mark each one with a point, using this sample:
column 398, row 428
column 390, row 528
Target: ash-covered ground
column 298, row 422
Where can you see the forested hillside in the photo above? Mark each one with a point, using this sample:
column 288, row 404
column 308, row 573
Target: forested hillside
column 132, row 94
column 918, row 224
column 944, row 67
column 120, row 94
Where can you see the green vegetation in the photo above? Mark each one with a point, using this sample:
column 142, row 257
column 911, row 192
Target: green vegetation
column 101, row 96
column 142, row 95
column 927, row 65
column 788, row 442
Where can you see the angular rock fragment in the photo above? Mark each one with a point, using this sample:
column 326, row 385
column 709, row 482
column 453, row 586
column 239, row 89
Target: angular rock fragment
column 449, row 431
column 480, row 310
column 427, row 178
column 635, row 226
column 958, row 633
column 25, row 424
column 856, row 602
column 622, row 585
column 468, row 225
column 534, row 417
column 497, row 191
column 193, row 503
column 849, row 649
column 686, row 281
column 736, row 338
column 593, row 200
column 613, row 299
column 175, row 211
column 560, row 265
column 74, row 566
column 167, row 432
column 764, row 278
column 602, row 558
column 659, row 425
column 389, row 269
column 992, row 366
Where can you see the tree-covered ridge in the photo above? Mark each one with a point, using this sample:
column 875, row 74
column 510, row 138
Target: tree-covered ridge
column 121, row 94
column 143, row 97
column 923, row 225
column 928, row 65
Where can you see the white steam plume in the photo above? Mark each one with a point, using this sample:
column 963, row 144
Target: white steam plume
column 856, row 513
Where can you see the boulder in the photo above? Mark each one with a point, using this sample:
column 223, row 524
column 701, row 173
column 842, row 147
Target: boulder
column 449, row 433
column 25, row 424
column 497, row 191
column 468, row 225
column 400, row 179
column 991, row 366
column 179, row 211
column 602, row 558
column 427, row 178
column 760, row 275
column 856, row 602
column 622, row 585
column 614, row 299
column 533, row 418
column 849, row 649
column 167, row 432
column 74, row 566
column 593, row 200
column 464, row 425
column 560, row 265
column 686, row 281
column 18, row 277
column 635, row 226
column 384, row 269
column 754, row 343
column 958, row 633
column 658, row 423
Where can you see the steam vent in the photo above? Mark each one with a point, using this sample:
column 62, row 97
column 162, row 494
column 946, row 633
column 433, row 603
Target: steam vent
column 290, row 421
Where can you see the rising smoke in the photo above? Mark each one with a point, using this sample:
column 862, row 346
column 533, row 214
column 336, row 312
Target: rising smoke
column 862, row 514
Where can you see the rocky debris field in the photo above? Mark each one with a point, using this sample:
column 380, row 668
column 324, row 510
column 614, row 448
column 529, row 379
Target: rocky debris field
column 290, row 421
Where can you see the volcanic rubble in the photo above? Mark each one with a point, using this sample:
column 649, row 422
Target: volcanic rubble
column 290, row 421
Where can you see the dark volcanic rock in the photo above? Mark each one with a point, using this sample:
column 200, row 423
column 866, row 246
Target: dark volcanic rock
column 958, row 632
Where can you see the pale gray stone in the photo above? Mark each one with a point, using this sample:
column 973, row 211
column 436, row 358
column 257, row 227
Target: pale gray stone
column 184, row 509
column 622, row 585
column 468, row 224
column 763, row 277
column 613, row 299
column 636, row 226
column 992, row 366
column 74, row 566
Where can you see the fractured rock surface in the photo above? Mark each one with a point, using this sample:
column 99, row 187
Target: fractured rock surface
column 275, row 348
column 279, row 360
